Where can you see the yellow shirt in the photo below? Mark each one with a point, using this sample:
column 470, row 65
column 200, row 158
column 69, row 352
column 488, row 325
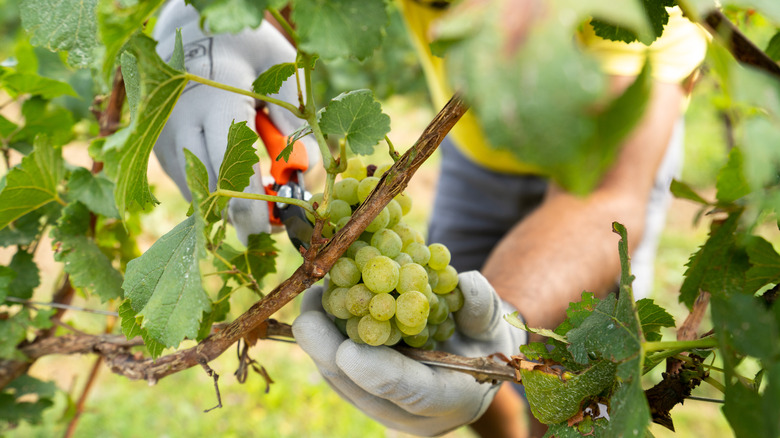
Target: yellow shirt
column 674, row 56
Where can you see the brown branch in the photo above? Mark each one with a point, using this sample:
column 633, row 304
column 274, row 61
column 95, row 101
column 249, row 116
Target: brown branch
column 71, row 430
column 317, row 261
column 739, row 45
column 688, row 329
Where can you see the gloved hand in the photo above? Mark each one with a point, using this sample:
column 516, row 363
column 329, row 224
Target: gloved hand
column 399, row 392
column 202, row 116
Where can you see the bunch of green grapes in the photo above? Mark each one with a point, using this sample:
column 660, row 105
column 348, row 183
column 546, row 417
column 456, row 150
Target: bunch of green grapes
column 389, row 286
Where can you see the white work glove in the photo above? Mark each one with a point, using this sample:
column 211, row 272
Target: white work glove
column 402, row 393
column 202, row 116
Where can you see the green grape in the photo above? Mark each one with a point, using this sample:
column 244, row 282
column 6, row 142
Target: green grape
column 366, row 187
column 380, row 221
column 357, row 299
column 365, row 236
column 395, row 213
column 326, row 299
column 395, row 334
column 409, row 330
column 345, row 272
column 346, row 190
column 380, row 274
column 387, row 242
column 454, row 299
column 382, row 307
column 403, row 259
column 419, row 252
column 381, row 170
column 316, row 198
column 337, row 303
column 432, row 297
column 445, row 330
column 430, row 344
column 412, row 308
column 407, row 234
column 373, row 331
column 339, row 209
column 353, row 330
column 364, row 254
column 440, row 256
column 328, row 229
column 433, row 276
column 417, row 340
column 342, row 222
column 341, row 324
column 448, row 280
column 438, row 313
column 405, row 201
column 354, row 247
column 412, row 277
column 355, row 169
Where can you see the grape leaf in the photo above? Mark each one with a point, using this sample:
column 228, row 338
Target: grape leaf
column 18, row 83
column 117, row 22
column 32, row 184
column 516, row 321
column 161, row 87
column 240, row 157
column 219, row 311
column 25, row 399
column 94, row 191
column 198, row 183
column 177, row 56
column 653, row 317
column 339, row 29
column 745, row 325
column 164, row 285
column 765, row 264
column 577, row 312
column 132, row 80
column 89, row 268
column 271, row 80
column 731, row 182
column 69, row 25
column 257, row 260
column 657, row 16
column 27, row 275
column 358, row 117
column 587, row 427
column 24, row 230
column 773, row 48
column 7, row 276
column 682, row 190
column 223, row 16
column 629, row 413
column 718, row 267
column 131, row 329
column 769, row 8
column 40, row 119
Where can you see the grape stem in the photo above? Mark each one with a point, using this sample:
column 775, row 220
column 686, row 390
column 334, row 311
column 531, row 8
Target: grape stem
column 679, row 345
column 270, row 198
column 288, row 106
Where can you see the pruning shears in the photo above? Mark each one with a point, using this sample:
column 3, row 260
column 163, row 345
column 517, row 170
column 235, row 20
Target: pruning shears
column 288, row 182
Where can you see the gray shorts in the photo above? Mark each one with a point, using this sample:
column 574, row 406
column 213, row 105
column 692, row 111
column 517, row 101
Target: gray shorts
column 475, row 207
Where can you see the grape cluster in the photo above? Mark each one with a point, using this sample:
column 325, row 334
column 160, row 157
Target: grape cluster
column 389, row 286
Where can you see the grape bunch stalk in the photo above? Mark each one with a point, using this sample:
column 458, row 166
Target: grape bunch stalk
column 389, row 286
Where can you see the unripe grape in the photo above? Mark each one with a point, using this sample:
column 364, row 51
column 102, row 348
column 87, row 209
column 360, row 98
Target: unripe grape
column 382, row 307
column 382, row 169
column 379, row 222
column 396, row 214
column 380, row 274
column 355, row 169
column 354, row 247
column 357, row 299
column 405, row 201
column 438, row 313
column 344, row 272
column 387, row 242
column 373, row 331
column 433, row 276
column 337, row 303
column 326, row 299
column 409, row 330
column 317, row 199
column 342, row 222
column 448, row 280
column 346, row 190
column 365, row 254
column 440, row 256
column 353, row 331
column 407, row 234
column 417, row 340
column 412, row 308
column 403, row 259
column 419, row 252
column 445, row 330
column 412, row 277
column 339, row 209
column 341, row 324
column 395, row 334
column 454, row 299
column 366, row 187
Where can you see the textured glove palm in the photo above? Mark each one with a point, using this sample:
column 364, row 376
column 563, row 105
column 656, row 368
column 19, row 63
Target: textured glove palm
column 202, row 116
column 399, row 392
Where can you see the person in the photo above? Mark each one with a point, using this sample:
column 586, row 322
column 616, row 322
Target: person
column 520, row 242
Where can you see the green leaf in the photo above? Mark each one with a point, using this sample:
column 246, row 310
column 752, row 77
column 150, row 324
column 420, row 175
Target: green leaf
column 18, row 83
column 341, row 28
column 7, row 127
column 42, row 119
column 15, row 407
column 198, row 183
column 718, row 267
column 223, row 16
column 271, row 80
column 657, row 16
column 24, row 230
column 32, row 184
column 515, row 320
column 94, row 191
column 587, row 427
column 131, row 329
column 731, row 183
column 13, row 330
column 177, row 57
column 27, row 277
column 240, row 156
column 67, row 25
column 132, row 80
column 117, row 22
column 258, row 260
column 682, row 190
column 746, row 326
column 164, row 285
column 7, row 276
column 629, row 413
column 554, row 399
column 219, row 311
column 358, row 117
column 653, row 317
column 773, row 48
column 765, row 264
column 161, row 86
